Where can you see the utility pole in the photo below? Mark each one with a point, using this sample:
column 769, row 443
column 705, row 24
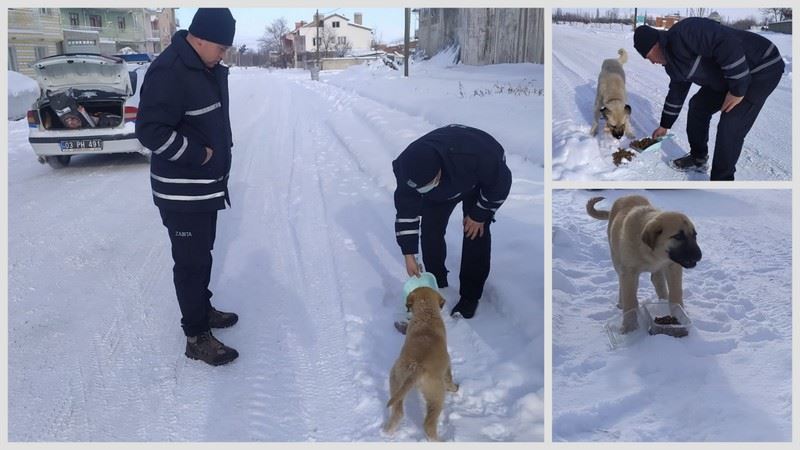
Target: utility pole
column 635, row 17
column 316, row 18
column 405, row 42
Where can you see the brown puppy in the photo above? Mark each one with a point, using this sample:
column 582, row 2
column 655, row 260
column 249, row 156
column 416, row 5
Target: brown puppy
column 423, row 361
column 645, row 239
column 611, row 101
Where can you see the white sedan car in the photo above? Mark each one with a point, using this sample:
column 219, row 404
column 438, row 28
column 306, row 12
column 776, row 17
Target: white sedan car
column 87, row 104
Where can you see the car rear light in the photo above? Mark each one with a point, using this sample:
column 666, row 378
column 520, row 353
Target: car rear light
column 130, row 113
column 33, row 119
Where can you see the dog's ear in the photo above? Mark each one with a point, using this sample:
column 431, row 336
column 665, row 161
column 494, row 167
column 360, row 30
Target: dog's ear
column 651, row 232
column 412, row 297
column 441, row 302
column 628, row 109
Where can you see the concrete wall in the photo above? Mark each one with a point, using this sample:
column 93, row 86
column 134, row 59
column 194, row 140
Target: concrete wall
column 781, row 27
column 484, row 35
column 342, row 63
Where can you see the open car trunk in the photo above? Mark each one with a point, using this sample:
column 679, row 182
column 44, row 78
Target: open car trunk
column 110, row 106
column 99, row 84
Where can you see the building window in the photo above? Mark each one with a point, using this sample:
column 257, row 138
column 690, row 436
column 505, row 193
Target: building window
column 41, row 52
column 154, row 25
column 341, row 39
column 335, row 24
column 12, row 59
column 95, row 21
column 44, row 11
column 121, row 22
column 74, row 19
column 314, row 42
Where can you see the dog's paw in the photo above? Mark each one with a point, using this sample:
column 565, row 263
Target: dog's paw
column 401, row 327
column 593, row 131
column 630, row 322
column 452, row 387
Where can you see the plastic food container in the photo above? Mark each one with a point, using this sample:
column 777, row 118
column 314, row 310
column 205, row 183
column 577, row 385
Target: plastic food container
column 655, row 146
column 426, row 279
column 665, row 312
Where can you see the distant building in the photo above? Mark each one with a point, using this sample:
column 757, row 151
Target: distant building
column 335, row 32
column 160, row 27
column 115, row 28
column 33, row 34
column 666, row 22
column 484, row 35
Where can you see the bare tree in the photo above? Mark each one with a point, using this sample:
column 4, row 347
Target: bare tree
column 776, row 14
column 342, row 47
column 272, row 40
column 327, row 39
column 697, row 12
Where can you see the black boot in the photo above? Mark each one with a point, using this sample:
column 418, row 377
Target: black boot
column 220, row 319
column 208, row 349
column 690, row 163
column 465, row 307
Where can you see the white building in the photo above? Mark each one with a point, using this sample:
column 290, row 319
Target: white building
column 336, row 33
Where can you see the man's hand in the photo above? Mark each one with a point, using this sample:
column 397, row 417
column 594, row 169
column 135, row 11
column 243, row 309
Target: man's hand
column 209, row 152
column 472, row 229
column 730, row 102
column 660, row 131
column 411, row 266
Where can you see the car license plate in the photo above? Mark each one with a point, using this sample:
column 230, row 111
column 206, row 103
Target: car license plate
column 82, row 145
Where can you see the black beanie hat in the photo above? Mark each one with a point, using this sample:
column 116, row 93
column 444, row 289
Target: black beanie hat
column 644, row 38
column 420, row 164
column 214, row 24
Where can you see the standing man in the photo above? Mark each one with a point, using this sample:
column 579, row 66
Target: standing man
column 183, row 119
column 737, row 71
column 437, row 171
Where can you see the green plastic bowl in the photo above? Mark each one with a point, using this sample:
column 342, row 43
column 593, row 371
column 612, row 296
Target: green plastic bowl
column 426, row 279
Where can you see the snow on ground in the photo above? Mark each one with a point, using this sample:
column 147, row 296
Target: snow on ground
column 307, row 258
column 22, row 92
column 730, row 379
column 578, row 53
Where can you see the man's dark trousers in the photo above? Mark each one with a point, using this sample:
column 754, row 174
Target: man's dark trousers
column 192, row 235
column 475, row 253
column 733, row 126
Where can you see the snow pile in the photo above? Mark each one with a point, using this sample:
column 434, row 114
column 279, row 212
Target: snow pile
column 22, row 93
column 734, row 368
column 448, row 57
column 578, row 53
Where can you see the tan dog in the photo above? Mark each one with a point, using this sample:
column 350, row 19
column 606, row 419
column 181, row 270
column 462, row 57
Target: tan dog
column 423, row 361
column 645, row 239
column 611, row 101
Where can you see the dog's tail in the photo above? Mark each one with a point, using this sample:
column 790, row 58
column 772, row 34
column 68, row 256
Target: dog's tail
column 601, row 215
column 408, row 383
column 623, row 56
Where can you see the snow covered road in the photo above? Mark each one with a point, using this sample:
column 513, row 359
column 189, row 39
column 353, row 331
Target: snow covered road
column 307, row 258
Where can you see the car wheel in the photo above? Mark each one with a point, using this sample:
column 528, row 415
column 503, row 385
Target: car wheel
column 57, row 162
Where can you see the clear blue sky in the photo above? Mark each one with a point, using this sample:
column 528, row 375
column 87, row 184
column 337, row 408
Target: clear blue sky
column 387, row 23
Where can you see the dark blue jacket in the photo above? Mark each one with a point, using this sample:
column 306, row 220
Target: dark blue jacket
column 184, row 109
column 472, row 159
column 721, row 58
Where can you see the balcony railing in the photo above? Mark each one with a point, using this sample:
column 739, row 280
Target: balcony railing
column 110, row 30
